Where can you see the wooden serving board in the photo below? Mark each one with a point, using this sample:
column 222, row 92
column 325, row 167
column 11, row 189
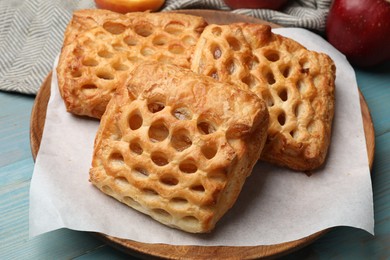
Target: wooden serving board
column 37, row 124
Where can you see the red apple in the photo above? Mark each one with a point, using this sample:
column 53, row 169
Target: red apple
column 125, row 6
column 256, row 4
column 361, row 30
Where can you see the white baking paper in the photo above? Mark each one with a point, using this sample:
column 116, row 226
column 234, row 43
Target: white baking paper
column 276, row 205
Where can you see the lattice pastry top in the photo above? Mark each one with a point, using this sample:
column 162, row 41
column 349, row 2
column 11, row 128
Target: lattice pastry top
column 101, row 47
column 178, row 146
column 297, row 84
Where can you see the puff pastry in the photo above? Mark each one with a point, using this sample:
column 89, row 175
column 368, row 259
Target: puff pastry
column 178, row 146
column 101, row 48
column 297, row 84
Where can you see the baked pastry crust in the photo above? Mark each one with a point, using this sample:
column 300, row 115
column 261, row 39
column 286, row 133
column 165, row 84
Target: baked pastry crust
column 297, row 84
column 178, row 146
column 101, row 48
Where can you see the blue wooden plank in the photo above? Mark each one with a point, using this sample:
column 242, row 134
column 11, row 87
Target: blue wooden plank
column 375, row 86
column 60, row 244
column 14, row 128
column 14, row 238
column 105, row 252
column 14, row 217
column 16, row 172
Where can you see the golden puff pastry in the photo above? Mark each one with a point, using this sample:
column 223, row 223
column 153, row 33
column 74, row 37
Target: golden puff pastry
column 297, row 84
column 178, row 146
column 101, row 48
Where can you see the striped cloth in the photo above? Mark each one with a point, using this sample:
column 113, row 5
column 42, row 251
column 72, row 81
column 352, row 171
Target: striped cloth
column 31, row 32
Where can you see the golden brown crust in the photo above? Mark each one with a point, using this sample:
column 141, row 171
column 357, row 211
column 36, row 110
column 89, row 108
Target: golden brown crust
column 101, row 48
column 178, row 146
column 297, row 84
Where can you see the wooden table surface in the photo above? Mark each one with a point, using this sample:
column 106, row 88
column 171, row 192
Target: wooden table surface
column 16, row 167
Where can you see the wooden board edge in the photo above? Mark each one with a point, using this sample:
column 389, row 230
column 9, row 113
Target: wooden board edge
column 369, row 130
column 38, row 115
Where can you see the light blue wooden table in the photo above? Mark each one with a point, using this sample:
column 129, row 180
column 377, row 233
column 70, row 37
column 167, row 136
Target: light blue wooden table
column 16, row 167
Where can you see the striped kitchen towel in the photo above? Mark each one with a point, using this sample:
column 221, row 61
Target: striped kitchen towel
column 31, row 32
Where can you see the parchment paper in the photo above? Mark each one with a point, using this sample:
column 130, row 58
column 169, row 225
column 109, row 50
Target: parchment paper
column 276, row 205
